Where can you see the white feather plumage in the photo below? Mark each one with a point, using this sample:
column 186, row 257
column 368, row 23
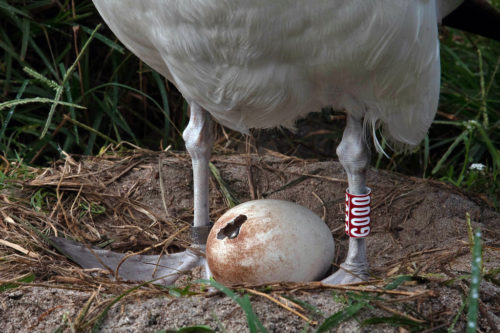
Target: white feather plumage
column 261, row 63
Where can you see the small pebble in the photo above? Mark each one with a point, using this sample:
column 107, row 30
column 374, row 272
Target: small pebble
column 16, row 295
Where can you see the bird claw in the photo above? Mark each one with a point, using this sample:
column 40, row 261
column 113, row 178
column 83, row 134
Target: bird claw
column 348, row 273
column 164, row 269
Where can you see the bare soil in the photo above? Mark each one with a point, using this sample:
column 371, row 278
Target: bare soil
column 139, row 199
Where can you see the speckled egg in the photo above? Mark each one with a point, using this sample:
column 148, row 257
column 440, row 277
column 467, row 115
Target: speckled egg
column 265, row 241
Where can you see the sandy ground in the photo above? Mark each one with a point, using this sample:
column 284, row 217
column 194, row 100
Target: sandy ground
column 420, row 229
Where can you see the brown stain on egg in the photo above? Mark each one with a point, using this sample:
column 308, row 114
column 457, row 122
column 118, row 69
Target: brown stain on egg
column 279, row 241
column 247, row 247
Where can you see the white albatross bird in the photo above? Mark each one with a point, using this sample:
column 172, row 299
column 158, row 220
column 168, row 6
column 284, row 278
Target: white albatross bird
column 262, row 63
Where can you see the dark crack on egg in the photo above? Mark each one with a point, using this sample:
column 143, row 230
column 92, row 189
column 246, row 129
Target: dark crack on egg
column 232, row 228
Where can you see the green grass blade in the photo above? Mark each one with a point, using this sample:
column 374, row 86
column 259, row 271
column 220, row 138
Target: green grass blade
column 426, row 155
column 484, row 103
column 42, row 100
column 12, row 109
column 100, row 318
column 397, row 321
column 457, row 316
column 108, row 42
column 160, row 83
column 455, row 143
column 92, row 130
column 459, row 63
column 26, row 279
column 65, row 79
column 114, row 84
column 11, row 10
column 309, row 307
column 69, row 95
column 228, row 194
column 93, row 133
column 491, row 147
column 43, row 79
column 9, row 50
column 474, row 285
column 398, row 281
column 25, row 29
column 254, row 324
column 341, row 316
column 42, row 57
column 8, row 73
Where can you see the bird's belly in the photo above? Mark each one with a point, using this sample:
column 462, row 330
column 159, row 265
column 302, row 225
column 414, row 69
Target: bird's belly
column 263, row 63
column 256, row 63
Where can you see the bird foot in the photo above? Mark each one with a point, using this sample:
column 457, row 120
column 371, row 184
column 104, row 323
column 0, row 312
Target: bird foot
column 348, row 273
column 164, row 269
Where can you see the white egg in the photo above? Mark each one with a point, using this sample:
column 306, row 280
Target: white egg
column 265, row 241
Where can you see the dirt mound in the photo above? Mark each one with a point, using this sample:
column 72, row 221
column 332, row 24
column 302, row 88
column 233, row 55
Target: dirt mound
column 137, row 201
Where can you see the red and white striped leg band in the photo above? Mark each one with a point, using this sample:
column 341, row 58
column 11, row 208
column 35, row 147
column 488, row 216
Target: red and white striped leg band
column 357, row 214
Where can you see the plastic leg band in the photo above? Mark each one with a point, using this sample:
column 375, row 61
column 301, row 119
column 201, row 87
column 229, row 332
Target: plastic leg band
column 357, row 214
column 199, row 235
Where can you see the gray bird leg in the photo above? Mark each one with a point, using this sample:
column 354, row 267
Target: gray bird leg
column 199, row 137
column 354, row 155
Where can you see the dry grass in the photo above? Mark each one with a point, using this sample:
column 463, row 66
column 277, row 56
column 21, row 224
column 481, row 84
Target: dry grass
column 86, row 199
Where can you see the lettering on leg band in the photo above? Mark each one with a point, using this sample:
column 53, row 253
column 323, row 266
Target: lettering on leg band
column 357, row 214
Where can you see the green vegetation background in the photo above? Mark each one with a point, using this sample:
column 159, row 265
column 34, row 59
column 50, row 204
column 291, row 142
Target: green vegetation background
column 86, row 91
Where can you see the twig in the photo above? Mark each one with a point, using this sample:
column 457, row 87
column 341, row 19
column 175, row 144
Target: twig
column 286, row 307
column 297, row 173
column 251, row 184
column 43, row 315
column 127, row 169
column 166, row 241
column 83, row 312
column 322, row 204
column 20, row 249
column 292, row 304
column 435, row 328
column 162, row 186
column 331, row 179
column 7, row 164
column 358, row 286
column 398, row 313
column 16, row 279
column 46, row 285
column 59, row 203
column 484, row 312
column 90, row 129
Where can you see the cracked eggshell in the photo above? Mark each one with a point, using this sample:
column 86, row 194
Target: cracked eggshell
column 265, row 241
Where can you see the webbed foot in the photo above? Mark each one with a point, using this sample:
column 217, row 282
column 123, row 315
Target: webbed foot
column 165, row 269
column 348, row 273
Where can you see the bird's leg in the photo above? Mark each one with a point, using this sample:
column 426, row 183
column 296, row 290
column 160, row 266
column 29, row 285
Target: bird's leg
column 354, row 155
column 164, row 269
column 199, row 137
